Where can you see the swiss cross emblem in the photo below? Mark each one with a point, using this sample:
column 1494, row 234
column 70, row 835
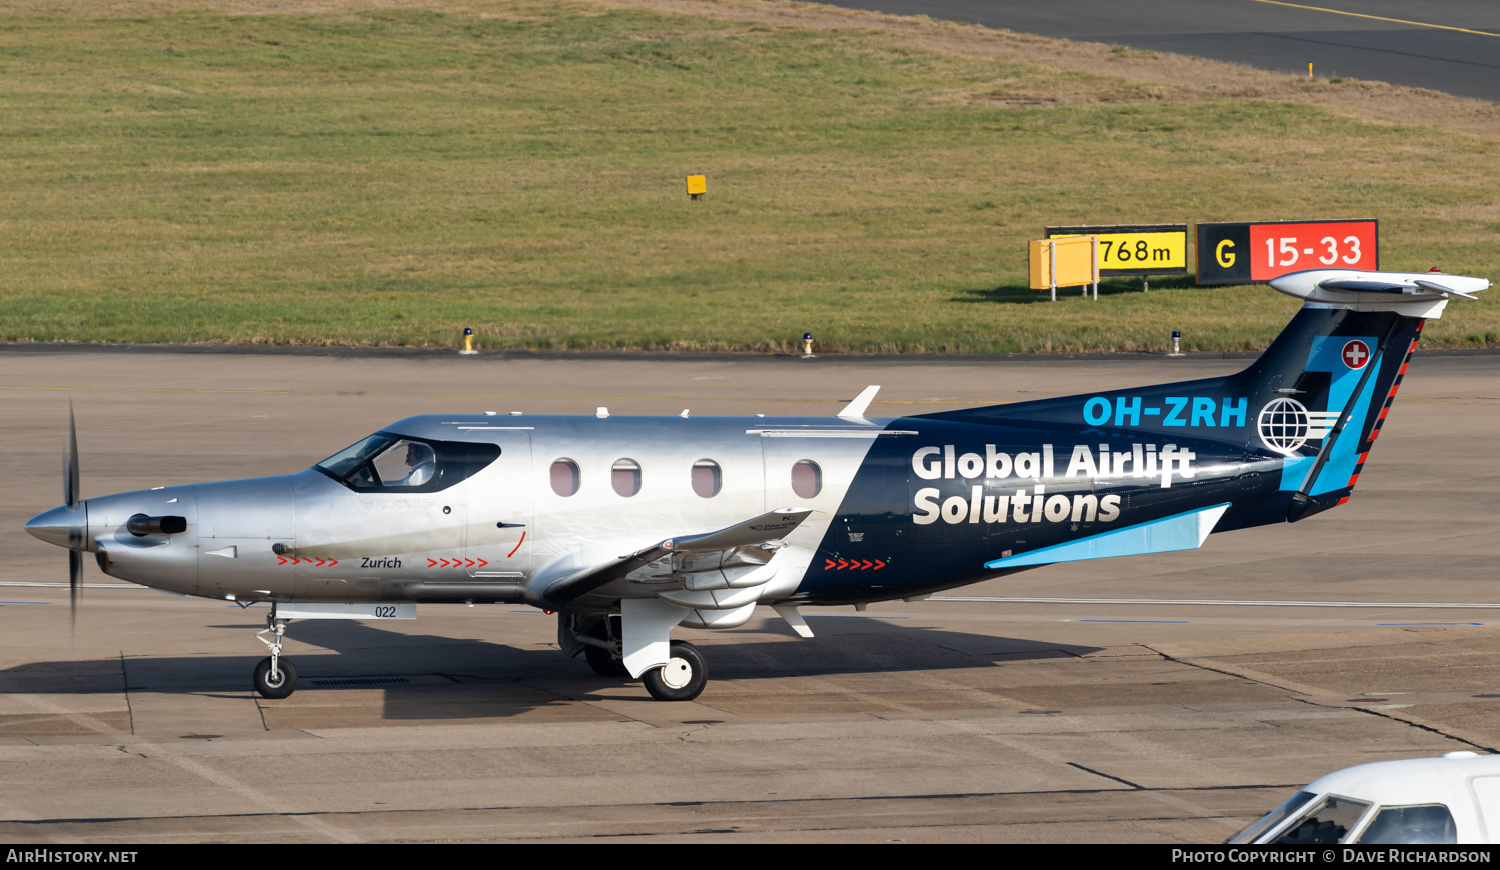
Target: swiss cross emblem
column 1356, row 354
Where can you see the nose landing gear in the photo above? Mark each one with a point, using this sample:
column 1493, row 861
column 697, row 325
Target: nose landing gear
column 275, row 677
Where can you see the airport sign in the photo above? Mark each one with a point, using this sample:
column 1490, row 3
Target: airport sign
column 1135, row 249
column 1246, row 253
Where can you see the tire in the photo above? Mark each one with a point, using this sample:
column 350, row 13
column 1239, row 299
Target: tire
column 602, row 661
column 681, row 679
column 282, row 686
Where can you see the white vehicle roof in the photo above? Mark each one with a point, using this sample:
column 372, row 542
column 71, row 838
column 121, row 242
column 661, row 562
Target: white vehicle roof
column 1411, row 780
column 1455, row 797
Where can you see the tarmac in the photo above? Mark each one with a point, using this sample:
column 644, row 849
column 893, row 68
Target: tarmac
column 1449, row 47
column 1164, row 699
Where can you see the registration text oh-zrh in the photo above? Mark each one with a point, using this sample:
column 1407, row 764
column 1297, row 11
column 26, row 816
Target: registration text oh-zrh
column 1239, row 253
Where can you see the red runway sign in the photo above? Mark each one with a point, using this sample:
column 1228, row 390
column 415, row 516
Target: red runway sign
column 1242, row 253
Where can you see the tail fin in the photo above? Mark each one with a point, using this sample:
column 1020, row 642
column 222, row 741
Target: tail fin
column 1352, row 341
column 1322, row 391
column 1316, row 399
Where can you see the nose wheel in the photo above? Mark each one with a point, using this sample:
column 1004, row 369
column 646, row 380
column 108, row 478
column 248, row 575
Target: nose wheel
column 682, row 678
column 275, row 677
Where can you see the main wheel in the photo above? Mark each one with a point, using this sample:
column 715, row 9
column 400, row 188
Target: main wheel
column 604, row 663
column 279, row 684
column 682, row 678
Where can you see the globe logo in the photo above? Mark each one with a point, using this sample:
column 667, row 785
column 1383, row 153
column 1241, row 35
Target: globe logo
column 1284, row 425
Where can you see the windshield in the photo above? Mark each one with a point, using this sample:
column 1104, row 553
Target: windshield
column 1272, row 819
column 1328, row 822
column 345, row 461
column 385, row 462
column 1431, row 823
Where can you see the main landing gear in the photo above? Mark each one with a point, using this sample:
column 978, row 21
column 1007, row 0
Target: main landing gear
column 682, row 678
column 606, row 649
column 602, row 651
column 275, row 677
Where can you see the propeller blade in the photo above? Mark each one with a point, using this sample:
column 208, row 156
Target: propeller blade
column 75, row 534
column 70, row 462
column 75, row 583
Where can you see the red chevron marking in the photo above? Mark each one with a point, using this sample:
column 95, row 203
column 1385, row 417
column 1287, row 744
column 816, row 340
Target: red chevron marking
column 879, row 564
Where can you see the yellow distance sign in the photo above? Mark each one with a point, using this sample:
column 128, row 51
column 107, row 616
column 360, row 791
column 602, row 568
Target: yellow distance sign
column 1153, row 249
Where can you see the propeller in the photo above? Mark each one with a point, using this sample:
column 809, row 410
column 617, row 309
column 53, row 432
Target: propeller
column 75, row 531
column 67, row 525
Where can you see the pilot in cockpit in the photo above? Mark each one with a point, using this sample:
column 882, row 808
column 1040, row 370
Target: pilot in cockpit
column 423, row 463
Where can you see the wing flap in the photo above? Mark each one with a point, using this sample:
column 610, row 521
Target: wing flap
column 771, row 526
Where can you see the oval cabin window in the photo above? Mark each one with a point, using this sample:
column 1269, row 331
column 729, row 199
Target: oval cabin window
column 564, row 477
column 625, row 476
column 807, row 479
column 708, row 479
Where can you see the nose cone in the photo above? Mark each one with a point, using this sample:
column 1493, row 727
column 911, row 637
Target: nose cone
column 62, row 526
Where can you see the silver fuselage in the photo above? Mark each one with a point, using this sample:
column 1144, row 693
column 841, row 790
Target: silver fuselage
column 500, row 535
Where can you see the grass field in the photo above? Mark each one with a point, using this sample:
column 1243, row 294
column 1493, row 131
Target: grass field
column 392, row 175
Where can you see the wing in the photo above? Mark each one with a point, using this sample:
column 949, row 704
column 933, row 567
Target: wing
column 722, row 560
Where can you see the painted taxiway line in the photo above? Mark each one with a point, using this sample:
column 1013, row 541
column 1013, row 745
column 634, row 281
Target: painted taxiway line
column 380, row 394
column 1215, row 602
column 68, row 585
column 1376, row 17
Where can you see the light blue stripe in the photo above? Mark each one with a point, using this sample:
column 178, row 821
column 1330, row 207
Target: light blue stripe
column 1345, row 453
column 1177, row 532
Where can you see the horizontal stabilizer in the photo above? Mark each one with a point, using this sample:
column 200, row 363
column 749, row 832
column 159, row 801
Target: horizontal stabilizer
column 1413, row 294
column 1185, row 531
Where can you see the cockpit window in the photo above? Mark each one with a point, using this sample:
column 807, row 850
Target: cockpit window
column 1431, row 823
column 344, row 461
column 1328, row 822
column 385, row 462
column 1272, row 819
column 406, row 463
